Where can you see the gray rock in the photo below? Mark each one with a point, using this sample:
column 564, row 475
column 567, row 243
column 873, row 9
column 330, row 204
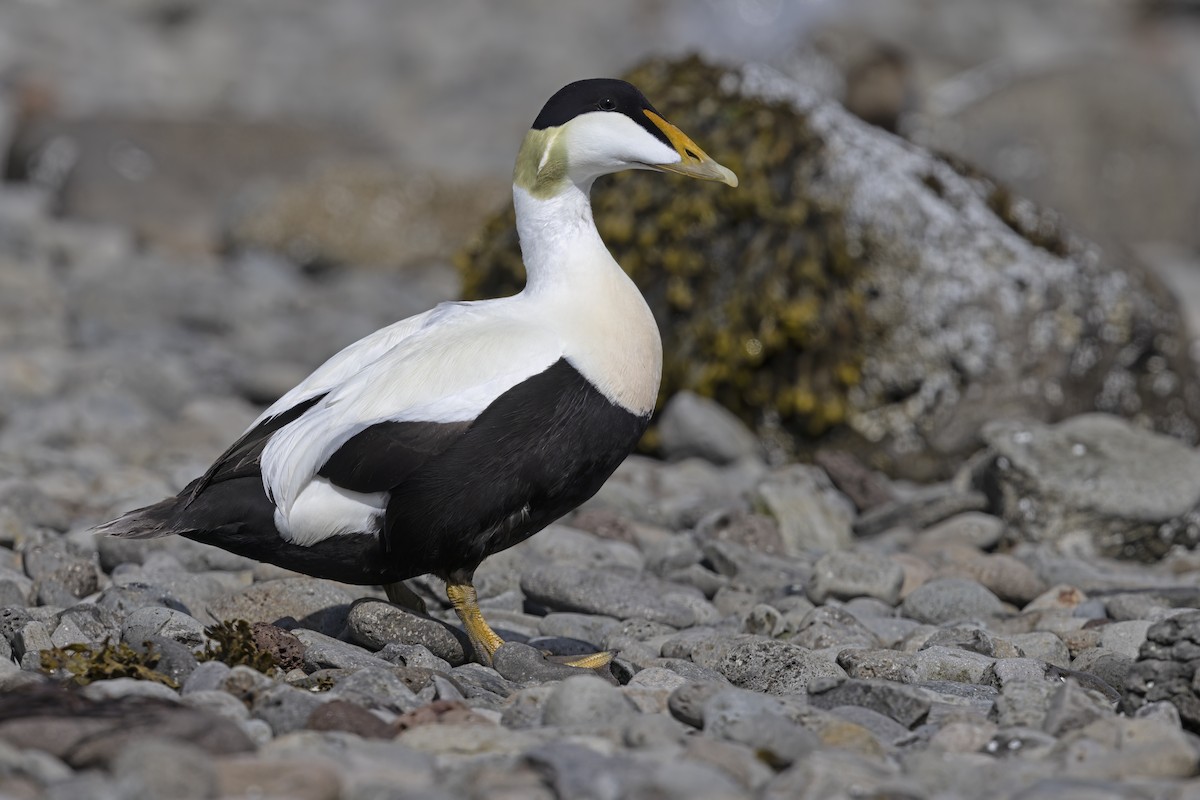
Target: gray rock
column 113, row 688
column 374, row 687
column 765, row 665
column 152, row 769
column 325, row 652
column 687, row 702
column 1072, row 707
column 413, row 655
column 905, row 705
column 165, row 622
column 887, row 665
column 1105, row 665
column 1166, row 667
column 1024, row 703
column 1129, row 489
column 374, row 624
column 811, row 513
column 695, row 426
column 314, row 604
column 221, row 703
column 830, row 626
column 585, row 627
column 952, row 664
column 285, row 708
column 652, row 732
column 1122, row 749
column 1125, row 638
column 522, row 663
column 175, row 660
column 53, row 564
column 972, row 528
column 83, row 623
column 585, row 700
column 1044, row 646
column 207, row 677
column 863, row 573
column 757, row 722
column 883, row 728
column 567, row 588
column 122, row 600
column 949, row 599
column 923, row 508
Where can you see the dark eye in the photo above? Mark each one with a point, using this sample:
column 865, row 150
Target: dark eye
column 607, row 104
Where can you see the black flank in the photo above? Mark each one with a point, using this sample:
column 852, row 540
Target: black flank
column 539, row 450
column 385, row 454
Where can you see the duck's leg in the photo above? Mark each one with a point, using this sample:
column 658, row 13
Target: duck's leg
column 403, row 596
column 466, row 603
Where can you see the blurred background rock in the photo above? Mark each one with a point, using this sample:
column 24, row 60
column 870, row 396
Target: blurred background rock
column 240, row 184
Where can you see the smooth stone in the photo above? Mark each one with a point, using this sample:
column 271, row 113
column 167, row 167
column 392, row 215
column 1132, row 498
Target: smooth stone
column 293, row 778
column 1109, row 666
column 567, row 588
column 207, row 677
column 972, row 528
column 830, row 626
column 325, row 652
column 811, row 513
column 1125, row 638
column 883, row 728
column 949, row 599
column 523, row 663
column 220, row 703
column 307, row 602
column 168, row 623
column 128, row 687
column 285, row 708
column 652, row 732
column 845, row 574
column 695, row 426
column 765, row 665
column 175, row 660
column 757, row 722
column 160, row 768
column 735, row 760
column 586, row 700
column 585, row 627
column 1121, row 749
column 413, row 655
column 342, row 715
column 375, row 687
column 907, row 706
column 374, row 624
column 687, row 702
column 1044, row 646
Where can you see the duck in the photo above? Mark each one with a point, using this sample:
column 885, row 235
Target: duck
column 449, row 436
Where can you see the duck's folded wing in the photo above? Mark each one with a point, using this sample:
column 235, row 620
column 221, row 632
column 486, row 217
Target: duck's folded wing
column 376, row 426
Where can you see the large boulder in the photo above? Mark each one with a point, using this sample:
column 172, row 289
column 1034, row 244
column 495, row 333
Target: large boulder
column 859, row 291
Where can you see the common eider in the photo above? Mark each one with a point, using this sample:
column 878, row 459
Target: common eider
column 451, row 435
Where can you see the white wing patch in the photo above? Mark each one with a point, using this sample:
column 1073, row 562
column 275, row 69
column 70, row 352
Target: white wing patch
column 444, row 372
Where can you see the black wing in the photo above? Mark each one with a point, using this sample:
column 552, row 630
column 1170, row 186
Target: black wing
column 241, row 460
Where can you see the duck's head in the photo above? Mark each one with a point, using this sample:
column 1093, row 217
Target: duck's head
column 594, row 127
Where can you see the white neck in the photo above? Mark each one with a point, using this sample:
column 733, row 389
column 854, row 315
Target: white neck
column 560, row 245
column 579, row 289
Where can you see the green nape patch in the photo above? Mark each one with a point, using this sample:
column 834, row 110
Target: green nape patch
column 230, row 642
column 82, row 664
column 755, row 288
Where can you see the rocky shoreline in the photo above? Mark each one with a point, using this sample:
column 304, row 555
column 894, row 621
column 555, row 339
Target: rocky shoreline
column 1028, row 627
column 781, row 630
